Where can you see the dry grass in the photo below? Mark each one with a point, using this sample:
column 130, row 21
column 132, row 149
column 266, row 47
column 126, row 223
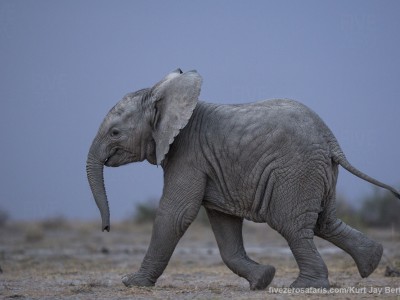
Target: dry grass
column 78, row 261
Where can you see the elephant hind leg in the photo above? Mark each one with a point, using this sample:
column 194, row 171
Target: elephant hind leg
column 365, row 252
column 294, row 213
column 228, row 233
column 313, row 271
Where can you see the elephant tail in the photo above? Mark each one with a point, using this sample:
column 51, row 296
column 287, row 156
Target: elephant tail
column 339, row 158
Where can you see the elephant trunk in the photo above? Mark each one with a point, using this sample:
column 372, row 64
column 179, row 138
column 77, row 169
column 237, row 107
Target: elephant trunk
column 94, row 171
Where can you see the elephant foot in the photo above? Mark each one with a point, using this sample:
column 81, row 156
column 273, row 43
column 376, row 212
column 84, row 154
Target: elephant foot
column 135, row 279
column 307, row 282
column 261, row 277
column 368, row 259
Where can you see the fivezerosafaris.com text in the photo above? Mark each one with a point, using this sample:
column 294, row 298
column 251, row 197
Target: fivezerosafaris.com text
column 341, row 290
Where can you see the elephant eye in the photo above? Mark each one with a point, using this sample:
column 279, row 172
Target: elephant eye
column 115, row 132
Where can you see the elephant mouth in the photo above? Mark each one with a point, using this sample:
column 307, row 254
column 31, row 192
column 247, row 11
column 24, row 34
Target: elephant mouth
column 119, row 157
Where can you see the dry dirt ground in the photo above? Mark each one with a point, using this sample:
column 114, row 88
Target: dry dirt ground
column 56, row 259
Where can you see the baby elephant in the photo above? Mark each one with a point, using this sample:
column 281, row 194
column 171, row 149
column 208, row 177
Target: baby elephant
column 271, row 161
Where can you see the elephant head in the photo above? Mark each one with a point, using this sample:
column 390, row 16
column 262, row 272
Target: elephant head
column 141, row 126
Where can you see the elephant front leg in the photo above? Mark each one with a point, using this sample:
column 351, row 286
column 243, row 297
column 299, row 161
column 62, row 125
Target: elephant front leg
column 228, row 233
column 179, row 206
column 163, row 242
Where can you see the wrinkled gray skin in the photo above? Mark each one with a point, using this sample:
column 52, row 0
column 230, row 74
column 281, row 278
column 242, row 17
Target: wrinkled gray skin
column 272, row 161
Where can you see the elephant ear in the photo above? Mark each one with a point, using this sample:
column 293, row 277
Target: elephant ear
column 175, row 97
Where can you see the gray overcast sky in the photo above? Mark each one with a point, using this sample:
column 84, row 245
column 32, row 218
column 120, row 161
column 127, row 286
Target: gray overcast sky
column 64, row 64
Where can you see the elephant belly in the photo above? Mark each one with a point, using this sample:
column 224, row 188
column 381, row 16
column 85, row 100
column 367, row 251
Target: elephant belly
column 241, row 197
column 255, row 192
